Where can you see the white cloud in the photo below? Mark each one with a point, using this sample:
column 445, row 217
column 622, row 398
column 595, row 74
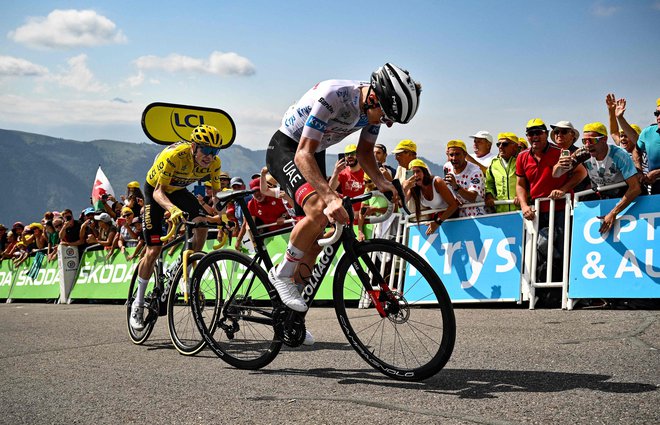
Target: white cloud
column 604, row 10
column 17, row 67
column 135, row 80
column 218, row 63
column 78, row 76
column 66, row 29
column 48, row 111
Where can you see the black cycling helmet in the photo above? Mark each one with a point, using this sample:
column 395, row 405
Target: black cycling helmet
column 397, row 93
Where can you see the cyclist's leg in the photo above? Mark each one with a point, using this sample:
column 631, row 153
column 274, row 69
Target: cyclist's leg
column 152, row 228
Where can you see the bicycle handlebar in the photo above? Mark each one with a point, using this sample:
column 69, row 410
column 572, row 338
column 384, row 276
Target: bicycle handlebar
column 386, row 215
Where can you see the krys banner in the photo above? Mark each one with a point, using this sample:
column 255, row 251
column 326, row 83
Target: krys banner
column 167, row 123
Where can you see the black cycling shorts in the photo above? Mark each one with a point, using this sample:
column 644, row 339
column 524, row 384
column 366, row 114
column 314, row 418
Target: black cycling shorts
column 152, row 219
column 279, row 161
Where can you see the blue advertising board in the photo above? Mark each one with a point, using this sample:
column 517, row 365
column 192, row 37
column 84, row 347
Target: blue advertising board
column 624, row 261
column 478, row 259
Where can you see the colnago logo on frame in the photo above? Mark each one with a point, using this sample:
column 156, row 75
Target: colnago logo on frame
column 105, row 273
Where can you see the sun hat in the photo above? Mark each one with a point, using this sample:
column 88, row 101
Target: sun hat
column 350, row 149
column 508, row 136
column 405, row 145
column 417, row 163
column 536, row 124
column 596, row 127
column 456, row 144
column 104, row 217
column 133, row 184
column 236, row 180
column 483, row 135
column 89, row 210
column 564, row 124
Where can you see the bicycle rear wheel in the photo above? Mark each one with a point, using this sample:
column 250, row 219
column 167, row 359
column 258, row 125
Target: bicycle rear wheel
column 139, row 337
column 181, row 324
column 412, row 337
column 241, row 332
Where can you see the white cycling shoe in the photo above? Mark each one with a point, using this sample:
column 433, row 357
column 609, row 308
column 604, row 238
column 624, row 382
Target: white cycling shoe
column 137, row 320
column 288, row 292
column 309, row 339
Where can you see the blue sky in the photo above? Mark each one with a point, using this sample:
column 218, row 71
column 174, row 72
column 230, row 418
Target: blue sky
column 86, row 70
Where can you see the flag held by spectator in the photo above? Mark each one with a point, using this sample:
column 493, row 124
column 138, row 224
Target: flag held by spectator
column 101, row 187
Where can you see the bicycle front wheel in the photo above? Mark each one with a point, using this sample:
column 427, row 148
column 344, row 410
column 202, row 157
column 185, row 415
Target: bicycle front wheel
column 181, row 324
column 241, row 333
column 410, row 336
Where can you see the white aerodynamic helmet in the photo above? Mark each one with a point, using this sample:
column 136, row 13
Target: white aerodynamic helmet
column 397, row 92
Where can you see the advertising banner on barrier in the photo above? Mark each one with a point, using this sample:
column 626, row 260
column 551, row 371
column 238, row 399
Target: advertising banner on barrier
column 621, row 263
column 45, row 286
column 478, row 259
column 7, row 274
column 101, row 278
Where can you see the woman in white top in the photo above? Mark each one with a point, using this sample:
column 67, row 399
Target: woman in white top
column 429, row 191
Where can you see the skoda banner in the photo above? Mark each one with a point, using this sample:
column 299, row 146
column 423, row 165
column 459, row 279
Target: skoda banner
column 624, row 262
column 167, row 123
column 7, row 274
column 478, row 259
column 45, row 286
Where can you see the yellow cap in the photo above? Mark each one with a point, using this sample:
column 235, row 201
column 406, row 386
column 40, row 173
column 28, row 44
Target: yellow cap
column 37, row 225
column 350, row 148
column 657, row 102
column 417, row 163
column 596, row 127
column 536, row 122
column 636, row 127
column 405, row 145
column 456, row 144
column 508, row 136
column 125, row 210
column 522, row 142
column 133, row 185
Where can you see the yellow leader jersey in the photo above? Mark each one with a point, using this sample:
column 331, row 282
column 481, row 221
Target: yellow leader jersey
column 175, row 169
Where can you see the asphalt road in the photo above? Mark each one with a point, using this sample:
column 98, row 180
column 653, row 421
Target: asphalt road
column 75, row 364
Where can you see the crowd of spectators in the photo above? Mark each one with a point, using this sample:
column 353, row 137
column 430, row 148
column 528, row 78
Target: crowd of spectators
column 544, row 163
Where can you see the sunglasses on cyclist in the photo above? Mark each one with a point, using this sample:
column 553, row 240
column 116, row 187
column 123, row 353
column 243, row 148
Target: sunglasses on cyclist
column 503, row 144
column 656, row 113
column 208, row 150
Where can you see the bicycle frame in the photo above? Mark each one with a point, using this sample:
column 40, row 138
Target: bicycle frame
column 321, row 267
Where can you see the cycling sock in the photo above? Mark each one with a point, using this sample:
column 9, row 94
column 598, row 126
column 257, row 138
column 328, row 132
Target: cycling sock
column 291, row 260
column 142, row 288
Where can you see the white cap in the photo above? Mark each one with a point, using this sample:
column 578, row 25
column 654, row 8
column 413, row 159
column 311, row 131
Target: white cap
column 483, row 135
column 103, row 217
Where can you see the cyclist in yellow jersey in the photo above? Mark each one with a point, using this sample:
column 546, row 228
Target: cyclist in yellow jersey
column 175, row 167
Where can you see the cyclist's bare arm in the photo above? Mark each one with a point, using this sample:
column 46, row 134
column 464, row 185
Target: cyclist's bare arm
column 160, row 196
column 306, row 163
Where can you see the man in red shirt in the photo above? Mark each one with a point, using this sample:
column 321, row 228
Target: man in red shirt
column 534, row 172
column 266, row 209
column 348, row 177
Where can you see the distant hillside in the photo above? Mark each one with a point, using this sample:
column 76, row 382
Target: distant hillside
column 42, row 173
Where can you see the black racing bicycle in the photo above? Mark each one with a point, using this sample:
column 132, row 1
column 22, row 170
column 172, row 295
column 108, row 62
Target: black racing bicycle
column 407, row 333
column 168, row 294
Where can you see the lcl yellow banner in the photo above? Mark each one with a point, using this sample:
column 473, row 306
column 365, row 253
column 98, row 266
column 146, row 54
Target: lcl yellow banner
column 167, row 123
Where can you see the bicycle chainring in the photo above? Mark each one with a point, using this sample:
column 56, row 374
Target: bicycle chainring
column 289, row 326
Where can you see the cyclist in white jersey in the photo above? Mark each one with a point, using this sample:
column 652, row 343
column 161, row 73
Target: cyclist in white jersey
column 324, row 116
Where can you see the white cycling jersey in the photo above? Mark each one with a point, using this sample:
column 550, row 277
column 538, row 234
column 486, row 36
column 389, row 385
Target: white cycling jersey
column 329, row 112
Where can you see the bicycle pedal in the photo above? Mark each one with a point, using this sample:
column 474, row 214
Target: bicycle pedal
column 289, row 326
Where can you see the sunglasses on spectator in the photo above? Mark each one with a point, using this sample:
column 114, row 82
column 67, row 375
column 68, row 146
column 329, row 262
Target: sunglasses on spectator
column 68, row 217
column 127, row 215
column 563, row 131
column 351, row 154
column 535, row 132
column 657, row 113
column 503, row 144
column 591, row 140
column 208, row 150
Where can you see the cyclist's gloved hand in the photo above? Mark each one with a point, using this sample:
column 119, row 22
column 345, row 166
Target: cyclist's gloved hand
column 175, row 215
